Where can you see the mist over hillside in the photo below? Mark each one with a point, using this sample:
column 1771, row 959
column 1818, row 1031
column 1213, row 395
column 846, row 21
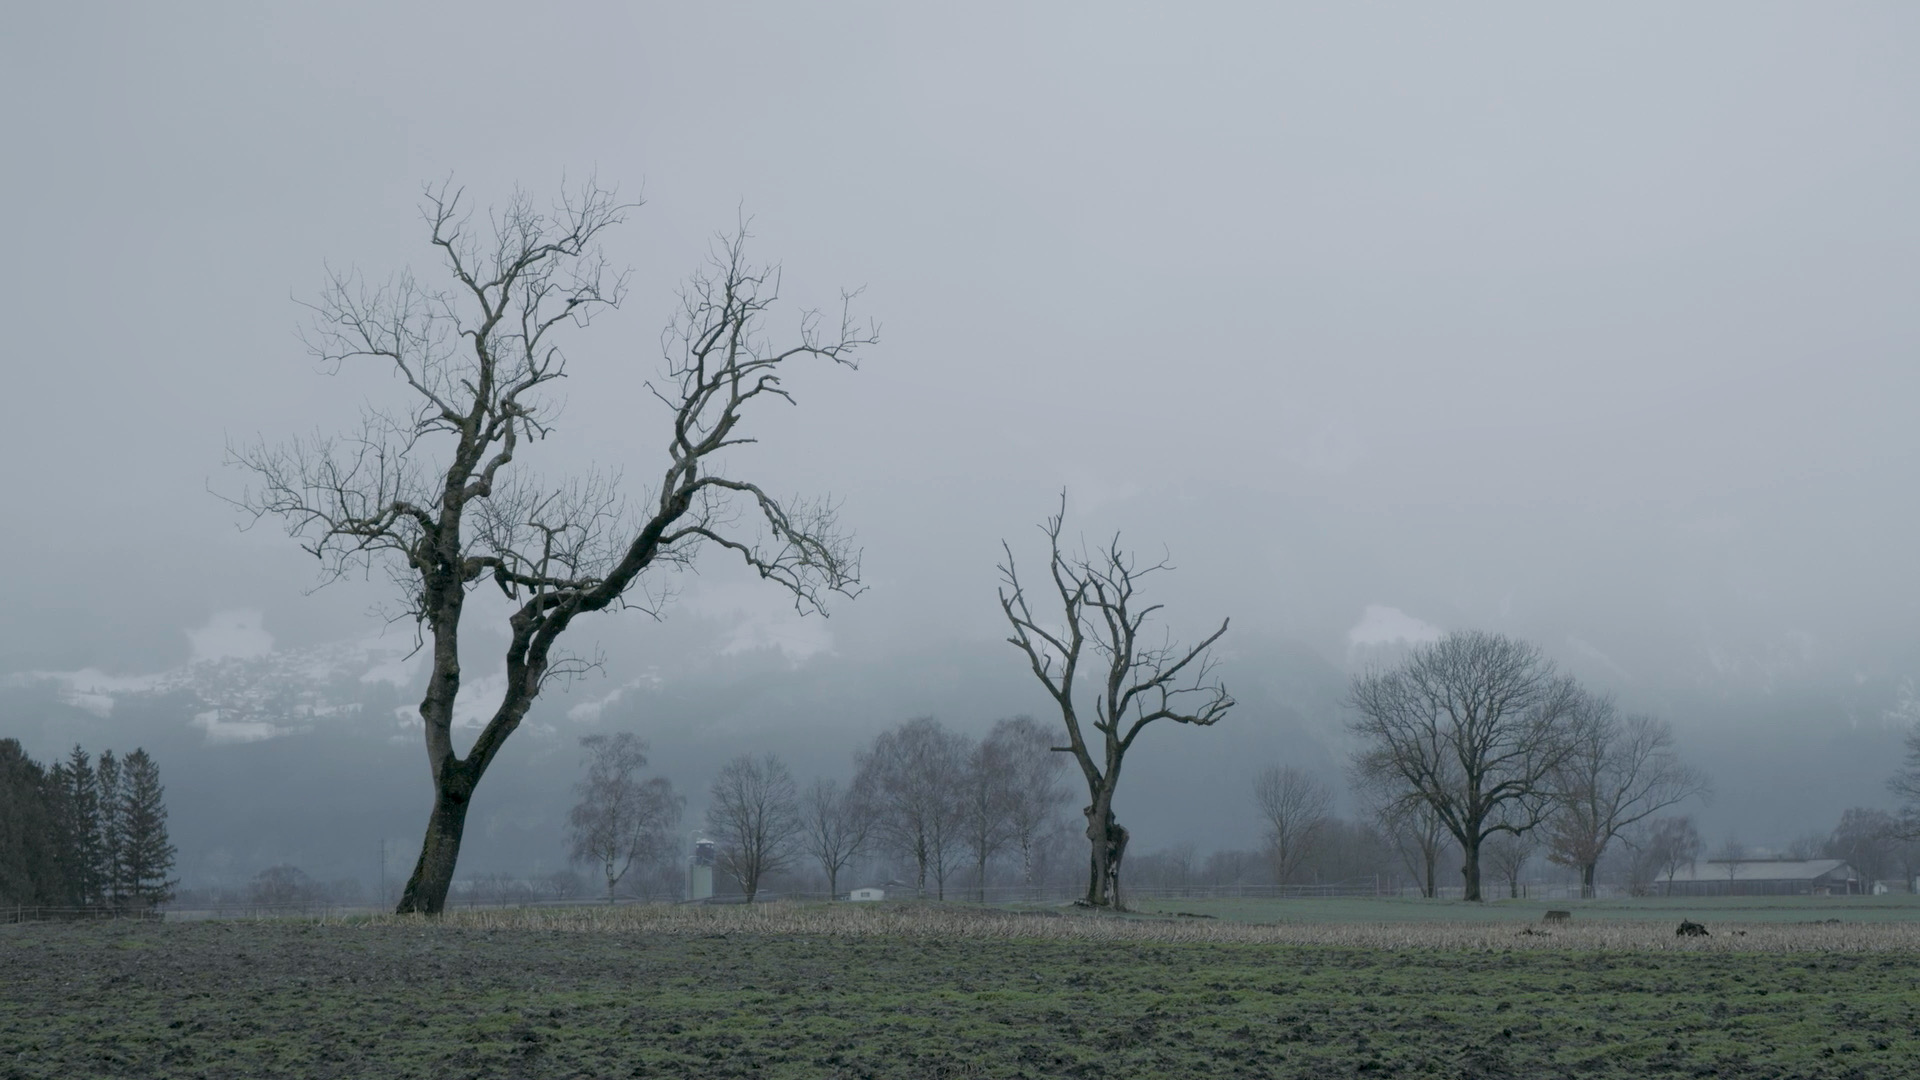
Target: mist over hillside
column 299, row 757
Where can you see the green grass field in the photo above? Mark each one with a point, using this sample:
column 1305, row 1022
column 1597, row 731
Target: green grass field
column 783, row 991
column 1742, row 909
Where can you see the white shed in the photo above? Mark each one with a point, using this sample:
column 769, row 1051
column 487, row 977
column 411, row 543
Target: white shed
column 867, row 894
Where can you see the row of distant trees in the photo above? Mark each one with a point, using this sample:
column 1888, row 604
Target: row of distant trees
column 928, row 797
column 84, row 835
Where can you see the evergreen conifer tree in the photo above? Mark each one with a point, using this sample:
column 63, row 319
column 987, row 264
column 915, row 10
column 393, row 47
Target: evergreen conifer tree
column 107, row 784
column 146, row 858
column 29, row 867
column 82, row 807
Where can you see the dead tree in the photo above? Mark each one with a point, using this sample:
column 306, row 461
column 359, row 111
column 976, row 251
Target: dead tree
column 434, row 491
column 620, row 819
column 1137, row 681
column 1473, row 727
column 1295, row 808
column 754, row 813
column 1618, row 772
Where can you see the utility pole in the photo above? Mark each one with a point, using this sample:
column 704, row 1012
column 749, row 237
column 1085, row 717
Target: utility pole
column 383, row 871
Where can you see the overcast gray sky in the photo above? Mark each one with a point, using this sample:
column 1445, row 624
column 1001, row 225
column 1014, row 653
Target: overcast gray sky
column 1592, row 325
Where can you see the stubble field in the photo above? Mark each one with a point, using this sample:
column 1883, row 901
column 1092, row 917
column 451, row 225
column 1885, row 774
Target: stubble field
column 906, row 991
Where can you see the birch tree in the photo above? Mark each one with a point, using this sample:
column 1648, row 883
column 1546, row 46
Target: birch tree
column 621, row 820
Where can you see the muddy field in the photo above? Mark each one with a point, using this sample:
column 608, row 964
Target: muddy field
column 911, row 993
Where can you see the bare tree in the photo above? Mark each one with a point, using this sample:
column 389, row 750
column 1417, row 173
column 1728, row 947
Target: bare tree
column 1473, row 726
column 1618, row 771
column 1141, row 682
column 1295, row 808
column 754, row 816
column 1229, row 868
column 433, row 491
column 913, row 777
column 987, row 799
column 621, row 820
column 562, row 884
column 1419, row 837
column 834, row 829
column 1672, row 842
column 1906, row 782
column 1731, row 852
column 1036, row 787
column 1508, row 854
column 753, row 813
column 1866, row 839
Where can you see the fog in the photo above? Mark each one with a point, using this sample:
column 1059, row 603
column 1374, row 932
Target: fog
column 1590, row 327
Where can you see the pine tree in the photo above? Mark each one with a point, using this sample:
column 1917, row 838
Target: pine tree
column 80, row 810
column 107, row 784
column 29, row 870
column 146, row 858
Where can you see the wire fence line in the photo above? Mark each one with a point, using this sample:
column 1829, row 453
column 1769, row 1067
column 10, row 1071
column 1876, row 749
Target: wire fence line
column 239, row 908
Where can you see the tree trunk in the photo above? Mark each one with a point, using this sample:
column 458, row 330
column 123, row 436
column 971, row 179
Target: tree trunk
column 1586, row 881
column 833, row 884
column 1107, row 841
column 1432, row 888
column 1026, row 864
column 1097, row 825
column 426, row 891
column 1470, row 870
column 981, row 887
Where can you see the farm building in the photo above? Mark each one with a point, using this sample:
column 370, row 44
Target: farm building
column 868, row 894
column 1762, row 877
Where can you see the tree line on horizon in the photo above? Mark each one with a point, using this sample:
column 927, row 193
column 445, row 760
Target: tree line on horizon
column 933, row 799
column 85, row 836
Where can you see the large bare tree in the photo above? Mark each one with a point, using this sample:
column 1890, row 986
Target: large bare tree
column 835, row 828
column 620, row 819
column 1138, row 678
column 753, row 813
column 1618, row 771
column 434, row 490
column 1295, row 807
column 1473, row 727
column 913, row 778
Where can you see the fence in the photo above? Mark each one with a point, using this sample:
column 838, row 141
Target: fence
column 23, row 913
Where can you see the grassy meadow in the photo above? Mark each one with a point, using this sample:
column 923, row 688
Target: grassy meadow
column 903, row 990
column 1741, row 909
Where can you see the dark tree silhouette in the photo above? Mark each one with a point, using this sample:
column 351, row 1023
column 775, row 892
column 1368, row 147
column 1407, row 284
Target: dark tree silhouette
column 1138, row 680
column 436, row 494
column 1472, row 727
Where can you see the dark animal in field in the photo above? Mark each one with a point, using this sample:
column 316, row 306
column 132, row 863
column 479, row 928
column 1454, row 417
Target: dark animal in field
column 1689, row 928
column 1559, row 916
